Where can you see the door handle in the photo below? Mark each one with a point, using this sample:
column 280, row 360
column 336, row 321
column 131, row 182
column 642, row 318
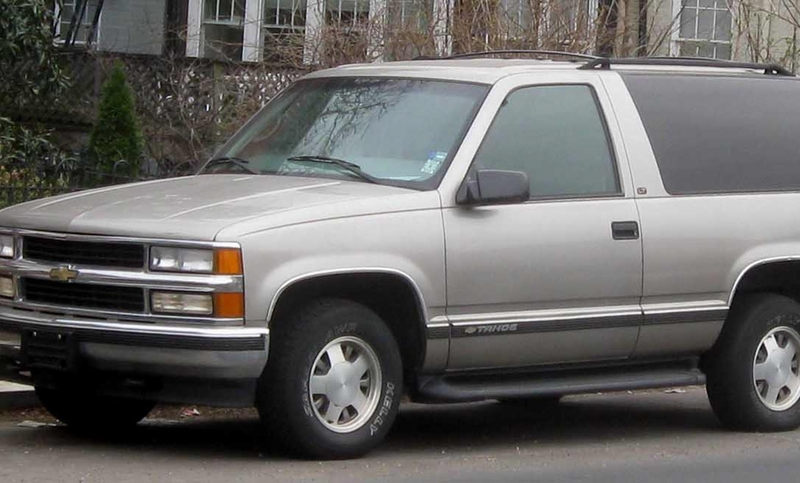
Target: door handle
column 625, row 230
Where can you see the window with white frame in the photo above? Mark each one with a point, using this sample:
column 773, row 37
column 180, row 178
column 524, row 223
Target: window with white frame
column 705, row 29
column 521, row 12
column 409, row 14
column 284, row 25
column 224, row 12
column 348, row 26
column 345, row 13
column 66, row 10
column 223, row 28
column 285, row 15
column 550, row 23
column 335, row 30
column 409, row 25
column 571, row 18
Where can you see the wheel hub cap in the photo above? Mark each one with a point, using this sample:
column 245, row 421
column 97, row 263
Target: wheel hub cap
column 344, row 384
column 776, row 375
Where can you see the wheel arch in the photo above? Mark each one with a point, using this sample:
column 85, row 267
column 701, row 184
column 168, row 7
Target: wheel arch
column 779, row 275
column 392, row 294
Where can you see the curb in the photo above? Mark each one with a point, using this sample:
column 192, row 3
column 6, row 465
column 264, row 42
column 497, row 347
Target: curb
column 17, row 396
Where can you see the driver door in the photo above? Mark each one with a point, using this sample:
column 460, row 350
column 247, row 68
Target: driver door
column 555, row 279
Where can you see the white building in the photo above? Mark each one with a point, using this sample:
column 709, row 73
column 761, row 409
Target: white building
column 305, row 30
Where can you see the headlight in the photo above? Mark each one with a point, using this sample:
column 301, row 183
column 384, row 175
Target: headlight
column 182, row 303
column 7, row 246
column 170, row 259
column 224, row 261
column 6, row 287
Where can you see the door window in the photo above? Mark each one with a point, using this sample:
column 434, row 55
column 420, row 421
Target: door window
column 556, row 135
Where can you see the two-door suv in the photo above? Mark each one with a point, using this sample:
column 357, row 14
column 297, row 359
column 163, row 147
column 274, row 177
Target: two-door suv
column 451, row 230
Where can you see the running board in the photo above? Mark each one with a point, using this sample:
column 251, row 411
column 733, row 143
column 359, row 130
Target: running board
column 478, row 387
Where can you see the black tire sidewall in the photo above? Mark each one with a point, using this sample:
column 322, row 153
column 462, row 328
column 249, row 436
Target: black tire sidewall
column 731, row 375
column 338, row 319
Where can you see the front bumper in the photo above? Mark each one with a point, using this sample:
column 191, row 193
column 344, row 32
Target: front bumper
column 147, row 350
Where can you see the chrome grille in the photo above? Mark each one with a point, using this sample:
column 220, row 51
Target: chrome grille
column 82, row 295
column 73, row 252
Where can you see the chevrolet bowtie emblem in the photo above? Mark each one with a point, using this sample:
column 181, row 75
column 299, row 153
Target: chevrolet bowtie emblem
column 63, row 274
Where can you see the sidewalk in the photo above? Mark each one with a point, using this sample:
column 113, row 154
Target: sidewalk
column 15, row 396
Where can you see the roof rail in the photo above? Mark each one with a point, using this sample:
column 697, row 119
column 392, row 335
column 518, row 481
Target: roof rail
column 489, row 53
column 606, row 63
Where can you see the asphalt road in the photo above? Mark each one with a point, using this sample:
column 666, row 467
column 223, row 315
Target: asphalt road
column 653, row 436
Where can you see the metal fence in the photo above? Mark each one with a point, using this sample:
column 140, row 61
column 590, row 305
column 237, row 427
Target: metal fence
column 21, row 192
column 38, row 180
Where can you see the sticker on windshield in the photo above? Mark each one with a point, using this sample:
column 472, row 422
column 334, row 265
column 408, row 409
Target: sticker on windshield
column 434, row 162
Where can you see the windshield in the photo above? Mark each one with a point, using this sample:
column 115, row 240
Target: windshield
column 393, row 131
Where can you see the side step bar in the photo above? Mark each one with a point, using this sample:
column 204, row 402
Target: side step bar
column 465, row 387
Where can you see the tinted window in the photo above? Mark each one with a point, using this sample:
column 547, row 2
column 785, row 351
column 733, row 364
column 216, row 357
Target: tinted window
column 721, row 134
column 556, row 135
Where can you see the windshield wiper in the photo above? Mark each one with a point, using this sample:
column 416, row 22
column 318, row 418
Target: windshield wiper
column 347, row 165
column 232, row 160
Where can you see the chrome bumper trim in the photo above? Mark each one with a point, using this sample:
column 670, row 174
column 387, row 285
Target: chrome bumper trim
column 145, row 335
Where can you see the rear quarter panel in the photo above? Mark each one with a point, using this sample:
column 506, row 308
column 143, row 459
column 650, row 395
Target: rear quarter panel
column 696, row 247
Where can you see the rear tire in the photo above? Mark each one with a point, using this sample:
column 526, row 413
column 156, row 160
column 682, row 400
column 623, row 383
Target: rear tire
column 91, row 412
column 753, row 374
column 332, row 386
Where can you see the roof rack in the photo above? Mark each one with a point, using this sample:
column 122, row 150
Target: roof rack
column 490, row 53
column 606, row 63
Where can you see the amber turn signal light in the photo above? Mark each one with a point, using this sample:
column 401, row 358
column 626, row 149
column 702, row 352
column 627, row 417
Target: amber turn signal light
column 229, row 305
column 228, row 261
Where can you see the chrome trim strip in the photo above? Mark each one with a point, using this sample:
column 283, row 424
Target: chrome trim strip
column 714, row 308
column 131, row 278
column 685, row 316
column 616, row 321
column 519, row 325
column 438, row 331
column 528, row 318
column 120, row 239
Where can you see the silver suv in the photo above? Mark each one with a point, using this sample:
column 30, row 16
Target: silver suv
column 451, row 230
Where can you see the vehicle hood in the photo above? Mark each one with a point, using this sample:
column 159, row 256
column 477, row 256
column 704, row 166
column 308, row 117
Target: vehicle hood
column 194, row 207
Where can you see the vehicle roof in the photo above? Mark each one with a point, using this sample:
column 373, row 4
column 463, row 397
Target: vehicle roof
column 490, row 70
column 485, row 71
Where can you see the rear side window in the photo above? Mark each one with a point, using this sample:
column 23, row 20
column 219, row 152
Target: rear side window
column 717, row 134
column 557, row 136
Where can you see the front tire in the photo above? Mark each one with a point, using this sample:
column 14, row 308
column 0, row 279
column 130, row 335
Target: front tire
column 332, row 386
column 753, row 372
column 89, row 412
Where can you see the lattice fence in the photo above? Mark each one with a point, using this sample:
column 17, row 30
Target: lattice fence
column 186, row 107
column 189, row 106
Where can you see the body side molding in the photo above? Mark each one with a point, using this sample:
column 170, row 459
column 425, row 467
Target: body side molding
column 600, row 321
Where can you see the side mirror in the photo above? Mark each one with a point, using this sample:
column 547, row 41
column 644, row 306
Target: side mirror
column 494, row 187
